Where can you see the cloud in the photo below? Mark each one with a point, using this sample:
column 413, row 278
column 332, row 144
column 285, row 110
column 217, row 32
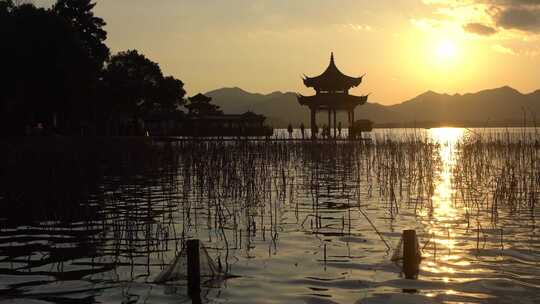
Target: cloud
column 503, row 50
column 524, row 18
column 427, row 24
column 488, row 17
column 521, row 51
column 522, row 15
column 360, row 27
column 517, row 2
column 532, row 52
column 479, row 29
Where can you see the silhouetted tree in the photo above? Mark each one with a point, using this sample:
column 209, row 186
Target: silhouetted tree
column 171, row 94
column 131, row 82
column 53, row 72
column 89, row 28
column 91, row 34
column 43, row 65
column 133, row 86
column 5, row 7
column 200, row 105
column 6, row 80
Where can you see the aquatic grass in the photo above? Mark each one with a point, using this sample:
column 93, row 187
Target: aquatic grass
column 147, row 199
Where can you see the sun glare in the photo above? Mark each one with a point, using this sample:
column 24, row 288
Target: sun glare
column 446, row 49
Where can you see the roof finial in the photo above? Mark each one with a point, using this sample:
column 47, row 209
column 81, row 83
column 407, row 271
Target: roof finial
column 331, row 56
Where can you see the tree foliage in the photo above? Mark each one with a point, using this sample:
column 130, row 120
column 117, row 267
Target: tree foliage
column 201, row 105
column 56, row 70
column 135, row 86
column 44, row 65
column 89, row 27
column 170, row 94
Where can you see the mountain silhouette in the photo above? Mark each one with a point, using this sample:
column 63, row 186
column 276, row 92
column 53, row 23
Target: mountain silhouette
column 499, row 106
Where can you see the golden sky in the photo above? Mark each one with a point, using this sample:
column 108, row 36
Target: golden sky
column 404, row 47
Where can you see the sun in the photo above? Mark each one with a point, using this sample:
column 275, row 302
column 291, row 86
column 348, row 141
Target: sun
column 446, row 49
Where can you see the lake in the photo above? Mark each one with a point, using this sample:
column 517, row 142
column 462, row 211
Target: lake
column 283, row 221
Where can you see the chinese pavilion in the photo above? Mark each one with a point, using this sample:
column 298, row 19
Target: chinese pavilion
column 332, row 95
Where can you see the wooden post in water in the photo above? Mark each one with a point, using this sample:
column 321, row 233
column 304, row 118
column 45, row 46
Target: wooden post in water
column 194, row 268
column 411, row 259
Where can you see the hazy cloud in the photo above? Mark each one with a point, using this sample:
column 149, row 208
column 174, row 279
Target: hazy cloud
column 360, row 27
column 427, row 24
column 517, row 2
column 525, row 18
column 503, row 50
column 479, row 29
column 522, row 15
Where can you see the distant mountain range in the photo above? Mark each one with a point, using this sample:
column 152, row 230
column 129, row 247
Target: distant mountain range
column 503, row 106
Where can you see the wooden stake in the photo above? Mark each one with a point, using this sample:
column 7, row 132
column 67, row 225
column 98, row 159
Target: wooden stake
column 324, row 253
column 194, row 268
column 411, row 260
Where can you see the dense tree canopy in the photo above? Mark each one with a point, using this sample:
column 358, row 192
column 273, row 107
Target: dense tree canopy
column 56, row 71
column 201, row 105
column 170, row 94
column 44, row 66
column 135, row 86
column 88, row 27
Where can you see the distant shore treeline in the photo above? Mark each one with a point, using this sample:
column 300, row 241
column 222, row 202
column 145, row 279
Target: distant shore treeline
column 58, row 75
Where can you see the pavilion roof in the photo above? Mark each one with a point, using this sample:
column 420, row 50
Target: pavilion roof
column 332, row 79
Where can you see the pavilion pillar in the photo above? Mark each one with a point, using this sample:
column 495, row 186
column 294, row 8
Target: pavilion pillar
column 329, row 121
column 335, row 125
column 352, row 116
column 313, row 123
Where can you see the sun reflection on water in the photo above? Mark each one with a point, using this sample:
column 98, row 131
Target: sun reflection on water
column 442, row 198
column 444, row 217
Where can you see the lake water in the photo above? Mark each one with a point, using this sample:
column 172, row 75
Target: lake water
column 296, row 222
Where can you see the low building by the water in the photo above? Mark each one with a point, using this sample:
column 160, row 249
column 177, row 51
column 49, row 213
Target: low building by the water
column 332, row 95
column 164, row 124
column 205, row 119
column 226, row 125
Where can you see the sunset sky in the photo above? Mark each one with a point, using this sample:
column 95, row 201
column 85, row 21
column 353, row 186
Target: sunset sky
column 405, row 47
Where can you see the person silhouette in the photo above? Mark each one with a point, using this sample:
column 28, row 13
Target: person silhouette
column 302, row 129
column 290, row 130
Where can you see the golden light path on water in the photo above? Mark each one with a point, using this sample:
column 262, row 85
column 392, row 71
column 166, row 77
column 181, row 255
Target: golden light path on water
column 443, row 218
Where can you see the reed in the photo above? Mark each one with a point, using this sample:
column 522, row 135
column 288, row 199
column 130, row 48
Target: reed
column 138, row 202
